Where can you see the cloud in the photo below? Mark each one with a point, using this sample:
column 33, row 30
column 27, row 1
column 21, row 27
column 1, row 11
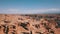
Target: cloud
column 30, row 11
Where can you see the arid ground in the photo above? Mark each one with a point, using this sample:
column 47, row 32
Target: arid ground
column 30, row 24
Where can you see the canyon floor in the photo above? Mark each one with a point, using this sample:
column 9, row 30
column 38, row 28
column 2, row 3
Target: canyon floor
column 29, row 24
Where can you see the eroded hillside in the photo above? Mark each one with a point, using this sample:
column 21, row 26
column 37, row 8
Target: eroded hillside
column 29, row 24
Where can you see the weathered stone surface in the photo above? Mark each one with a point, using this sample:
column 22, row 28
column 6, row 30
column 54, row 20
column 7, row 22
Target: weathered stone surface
column 29, row 24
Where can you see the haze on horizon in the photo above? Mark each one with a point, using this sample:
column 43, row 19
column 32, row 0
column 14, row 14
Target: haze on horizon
column 29, row 6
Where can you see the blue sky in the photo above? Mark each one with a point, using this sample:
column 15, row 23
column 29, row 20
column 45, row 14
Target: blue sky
column 29, row 6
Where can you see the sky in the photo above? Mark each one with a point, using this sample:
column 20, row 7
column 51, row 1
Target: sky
column 29, row 6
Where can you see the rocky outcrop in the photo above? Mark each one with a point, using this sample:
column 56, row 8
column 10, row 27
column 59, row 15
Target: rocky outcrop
column 29, row 24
